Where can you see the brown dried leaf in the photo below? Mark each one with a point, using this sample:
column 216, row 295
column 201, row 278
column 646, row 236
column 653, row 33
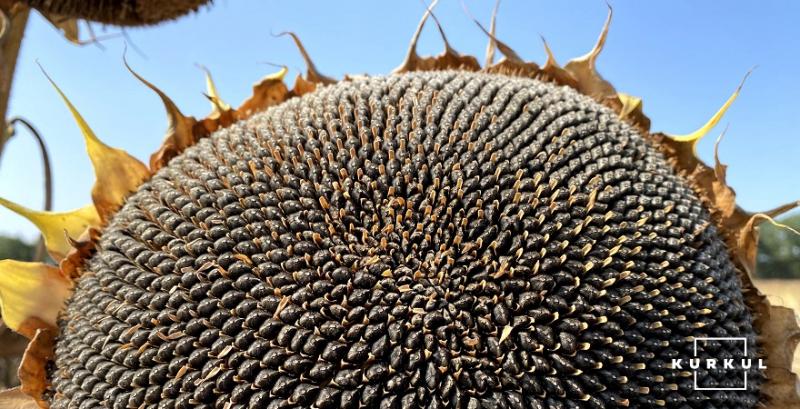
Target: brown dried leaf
column 16, row 399
column 448, row 59
column 551, row 71
column 492, row 46
column 511, row 64
column 312, row 74
column 302, row 86
column 779, row 335
column 583, row 68
column 82, row 249
column 181, row 130
column 630, row 109
column 33, row 369
column 271, row 90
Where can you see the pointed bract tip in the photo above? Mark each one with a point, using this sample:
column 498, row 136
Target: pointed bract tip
column 411, row 55
column 777, row 224
column 492, row 46
column 430, row 8
column 782, row 209
column 180, row 128
column 720, row 169
column 592, row 55
column 31, row 295
column 312, row 73
column 507, row 51
column 88, row 134
column 630, row 104
column 279, row 75
column 217, row 104
column 695, row 136
column 57, row 227
column 117, row 173
column 551, row 59
column 172, row 109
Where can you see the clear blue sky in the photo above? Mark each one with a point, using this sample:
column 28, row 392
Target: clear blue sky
column 683, row 57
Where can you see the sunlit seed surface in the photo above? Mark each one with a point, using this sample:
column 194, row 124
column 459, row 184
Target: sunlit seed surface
column 444, row 239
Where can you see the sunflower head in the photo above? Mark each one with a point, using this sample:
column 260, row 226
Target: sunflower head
column 507, row 234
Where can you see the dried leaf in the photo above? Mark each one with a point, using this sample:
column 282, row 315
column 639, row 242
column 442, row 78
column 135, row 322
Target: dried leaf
column 630, row 109
column 117, row 173
column 312, row 74
column 16, row 399
column 551, row 71
column 492, row 46
column 448, row 59
column 779, row 336
column 82, row 249
column 57, row 227
column 181, row 130
column 722, row 193
column 31, row 295
column 271, row 90
column 511, row 64
column 33, row 369
column 584, row 71
column 302, row 86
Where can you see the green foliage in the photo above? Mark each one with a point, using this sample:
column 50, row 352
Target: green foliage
column 779, row 250
column 14, row 248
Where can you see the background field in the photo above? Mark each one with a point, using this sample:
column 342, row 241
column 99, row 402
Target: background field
column 787, row 294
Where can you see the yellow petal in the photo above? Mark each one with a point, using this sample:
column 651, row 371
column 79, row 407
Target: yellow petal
column 57, row 226
column 695, row 136
column 276, row 76
column 629, row 104
column 31, row 295
column 217, row 104
column 117, row 173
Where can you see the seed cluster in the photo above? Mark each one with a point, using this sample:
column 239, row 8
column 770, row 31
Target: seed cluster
column 118, row 12
column 439, row 239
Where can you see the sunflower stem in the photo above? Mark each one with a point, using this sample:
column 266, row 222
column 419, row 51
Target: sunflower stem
column 41, row 251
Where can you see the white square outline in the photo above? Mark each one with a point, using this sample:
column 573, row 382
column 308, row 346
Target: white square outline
column 694, row 372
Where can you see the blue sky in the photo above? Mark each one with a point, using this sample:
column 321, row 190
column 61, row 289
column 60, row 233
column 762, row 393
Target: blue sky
column 683, row 57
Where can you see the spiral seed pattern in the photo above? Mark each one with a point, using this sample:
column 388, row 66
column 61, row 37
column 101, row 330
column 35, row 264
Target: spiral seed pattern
column 438, row 239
